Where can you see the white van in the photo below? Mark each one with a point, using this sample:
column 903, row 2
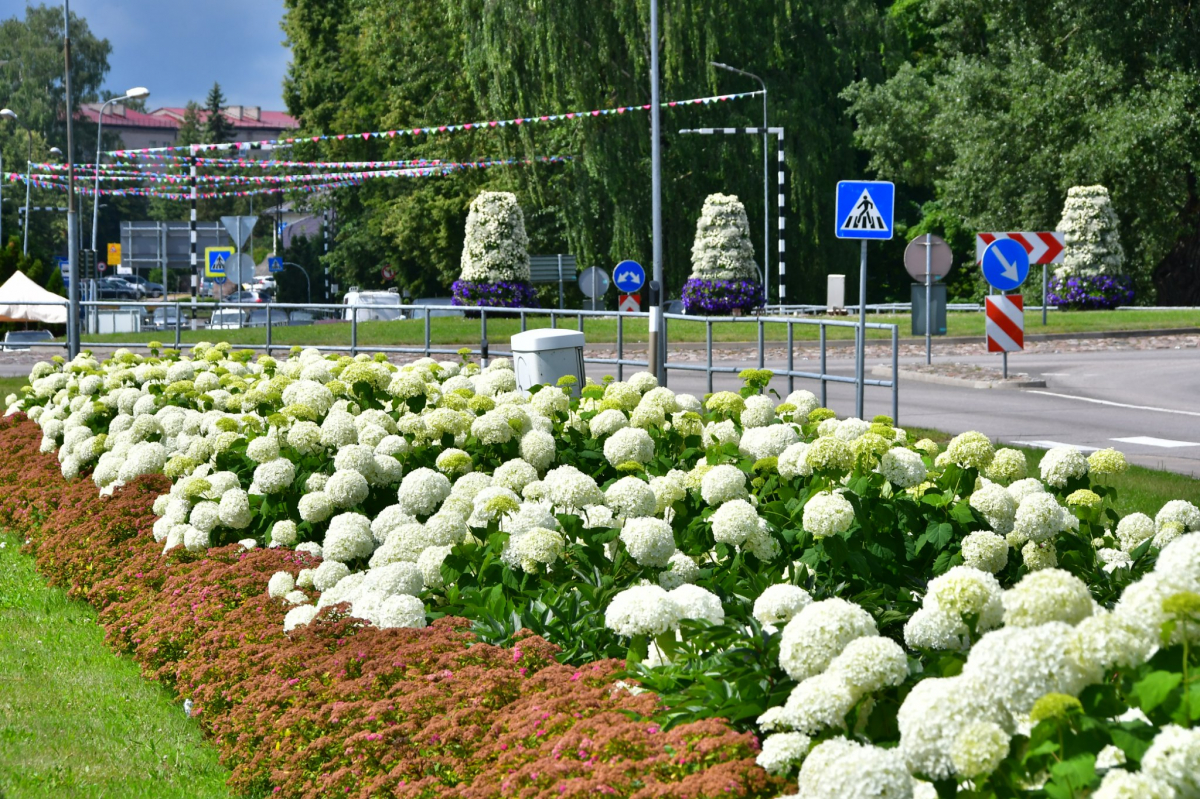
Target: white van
column 379, row 302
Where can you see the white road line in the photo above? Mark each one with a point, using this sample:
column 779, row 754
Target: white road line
column 1045, row 444
column 1150, row 441
column 1055, row 374
column 1114, row 404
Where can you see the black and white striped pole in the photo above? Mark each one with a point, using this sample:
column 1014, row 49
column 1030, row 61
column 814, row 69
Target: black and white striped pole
column 778, row 134
column 192, row 237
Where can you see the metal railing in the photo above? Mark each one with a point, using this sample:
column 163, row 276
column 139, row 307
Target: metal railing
column 181, row 316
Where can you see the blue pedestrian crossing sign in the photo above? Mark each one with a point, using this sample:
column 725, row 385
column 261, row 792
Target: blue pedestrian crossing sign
column 629, row 276
column 215, row 259
column 865, row 209
column 1005, row 264
column 274, row 264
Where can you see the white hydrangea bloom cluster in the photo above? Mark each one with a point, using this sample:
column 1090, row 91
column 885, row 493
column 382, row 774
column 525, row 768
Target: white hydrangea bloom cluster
column 495, row 248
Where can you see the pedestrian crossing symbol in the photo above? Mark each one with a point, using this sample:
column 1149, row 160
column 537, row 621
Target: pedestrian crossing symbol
column 864, row 209
column 215, row 259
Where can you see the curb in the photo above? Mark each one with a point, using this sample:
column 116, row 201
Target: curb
column 959, row 382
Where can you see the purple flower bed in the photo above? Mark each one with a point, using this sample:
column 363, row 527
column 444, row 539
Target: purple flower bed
column 719, row 297
column 504, row 294
column 1091, row 292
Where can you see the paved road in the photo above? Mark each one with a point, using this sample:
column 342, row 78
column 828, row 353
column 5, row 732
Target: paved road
column 1091, row 399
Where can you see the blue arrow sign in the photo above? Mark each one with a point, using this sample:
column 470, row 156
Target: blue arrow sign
column 865, row 209
column 219, row 280
column 274, row 264
column 629, row 276
column 1005, row 264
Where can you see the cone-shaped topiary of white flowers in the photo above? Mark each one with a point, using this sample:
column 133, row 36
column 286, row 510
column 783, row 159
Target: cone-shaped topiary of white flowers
column 724, row 273
column 1090, row 227
column 495, row 257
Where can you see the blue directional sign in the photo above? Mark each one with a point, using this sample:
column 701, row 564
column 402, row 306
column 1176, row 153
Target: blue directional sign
column 629, row 276
column 865, row 209
column 274, row 264
column 1005, row 264
column 219, row 280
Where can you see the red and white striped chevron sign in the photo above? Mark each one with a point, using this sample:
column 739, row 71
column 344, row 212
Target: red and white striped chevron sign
column 1005, row 323
column 1043, row 248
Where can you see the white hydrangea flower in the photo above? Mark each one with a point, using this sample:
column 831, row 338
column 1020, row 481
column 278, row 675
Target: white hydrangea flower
column 734, row 522
column 514, row 474
column 299, row 616
column 782, row 751
column 195, row 540
column 1039, row 518
column 1180, row 512
column 629, row 444
column 538, row 449
column 283, row 533
column 422, row 491
column 262, row 449
column 870, row 664
column 1008, row 466
column 1121, row 784
column 767, row 441
column 536, row 549
column 970, row 450
column 1039, row 555
column 933, row 628
column 792, row 462
column 827, row 514
column 721, row 432
column 348, row 538
column 395, row 578
column 1180, row 561
column 818, row 703
column 329, row 574
column 978, row 749
column 933, row 715
column 234, row 509
column 1061, row 464
column 315, row 507
column 843, row 769
column 1103, row 642
column 997, row 505
column 641, row 610
column 607, row 422
column 780, row 603
column 400, row 610
column 722, row 483
column 347, row 488
column 680, row 569
column 630, row 497
column 759, row 412
column 963, row 591
column 1174, row 758
column 819, row 633
column 1016, row 666
column 276, row 476
column 668, row 489
column 902, row 467
column 1047, row 595
column 985, row 551
column 1134, row 530
column 694, row 602
column 650, row 541
column 280, row 585
column 570, row 490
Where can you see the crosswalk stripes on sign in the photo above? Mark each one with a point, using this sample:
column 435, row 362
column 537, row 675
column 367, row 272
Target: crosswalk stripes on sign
column 1005, row 323
column 864, row 215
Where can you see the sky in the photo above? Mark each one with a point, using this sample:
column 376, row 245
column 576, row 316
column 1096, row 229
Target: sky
column 178, row 48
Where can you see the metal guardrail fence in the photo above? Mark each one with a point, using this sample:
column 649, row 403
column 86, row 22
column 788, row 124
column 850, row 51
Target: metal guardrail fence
column 182, row 318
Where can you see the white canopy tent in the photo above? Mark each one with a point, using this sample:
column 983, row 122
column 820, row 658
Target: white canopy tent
column 19, row 290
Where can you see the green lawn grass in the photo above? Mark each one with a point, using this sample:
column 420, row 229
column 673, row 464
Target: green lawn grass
column 77, row 720
column 1138, row 490
column 455, row 330
column 11, row 385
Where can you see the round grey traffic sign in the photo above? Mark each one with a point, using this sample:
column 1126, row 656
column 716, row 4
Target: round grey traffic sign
column 941, row 259
column 593, row 282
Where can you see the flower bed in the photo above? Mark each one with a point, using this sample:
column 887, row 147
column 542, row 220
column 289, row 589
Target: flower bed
column 897, row 620
column 721, row 297
column 1090, row 292
column 507, row 294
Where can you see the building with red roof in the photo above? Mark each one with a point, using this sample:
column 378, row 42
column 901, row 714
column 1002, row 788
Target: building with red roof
column 160, row 127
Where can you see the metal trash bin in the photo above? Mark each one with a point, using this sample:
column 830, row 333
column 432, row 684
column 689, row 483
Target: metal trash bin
column 541, row 357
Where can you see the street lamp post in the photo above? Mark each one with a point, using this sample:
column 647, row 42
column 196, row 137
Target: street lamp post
column 136, row 93
column 307, row 279
column 766, row 177
column 8, row 113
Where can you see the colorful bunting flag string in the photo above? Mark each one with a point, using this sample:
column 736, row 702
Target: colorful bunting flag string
column 431, row 129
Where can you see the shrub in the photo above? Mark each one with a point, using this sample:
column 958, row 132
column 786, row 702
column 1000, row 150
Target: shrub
column 1090, row 292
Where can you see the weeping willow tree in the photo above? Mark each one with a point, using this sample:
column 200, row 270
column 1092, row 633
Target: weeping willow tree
column 371, row 64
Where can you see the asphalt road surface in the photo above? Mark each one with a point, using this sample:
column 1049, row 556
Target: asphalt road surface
column 1145, row 403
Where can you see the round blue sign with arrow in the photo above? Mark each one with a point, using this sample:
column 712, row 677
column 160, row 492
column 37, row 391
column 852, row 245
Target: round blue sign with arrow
column 629, row 276
column 1005, row 264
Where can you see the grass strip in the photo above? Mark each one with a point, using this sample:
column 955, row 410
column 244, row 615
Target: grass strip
column 445, row 331
column 77, row 720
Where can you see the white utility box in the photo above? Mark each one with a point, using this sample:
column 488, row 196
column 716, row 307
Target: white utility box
column 541, row 357
column 835, row 293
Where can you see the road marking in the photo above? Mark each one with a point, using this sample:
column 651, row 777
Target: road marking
column 1043, row 444
column 1150, row 441
column 1055, row 374
column 1114, row 404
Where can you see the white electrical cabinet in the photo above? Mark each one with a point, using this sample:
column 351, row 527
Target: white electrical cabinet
column 541, row 357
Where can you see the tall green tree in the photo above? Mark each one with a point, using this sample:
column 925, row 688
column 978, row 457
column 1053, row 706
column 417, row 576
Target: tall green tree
column 217, row 128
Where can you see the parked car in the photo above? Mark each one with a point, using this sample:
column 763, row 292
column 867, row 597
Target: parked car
column 263, row 283
column 674, row 306
column 148, row 289
column 19, row 340
column 138, row 291
column 247, row 296
column 378, row 300
column 451, row 309
column 163, row 318
column 228, row 319
column 108, row 288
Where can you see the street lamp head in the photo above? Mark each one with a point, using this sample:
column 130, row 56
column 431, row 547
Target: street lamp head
column 56, row 152
column 8, row 113
column 718, row 65
column 137, row 93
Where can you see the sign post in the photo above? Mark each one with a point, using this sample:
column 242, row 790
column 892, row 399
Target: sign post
column 864, row 211
column 1005, row 266
column 593, row 282
column 926, row 258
